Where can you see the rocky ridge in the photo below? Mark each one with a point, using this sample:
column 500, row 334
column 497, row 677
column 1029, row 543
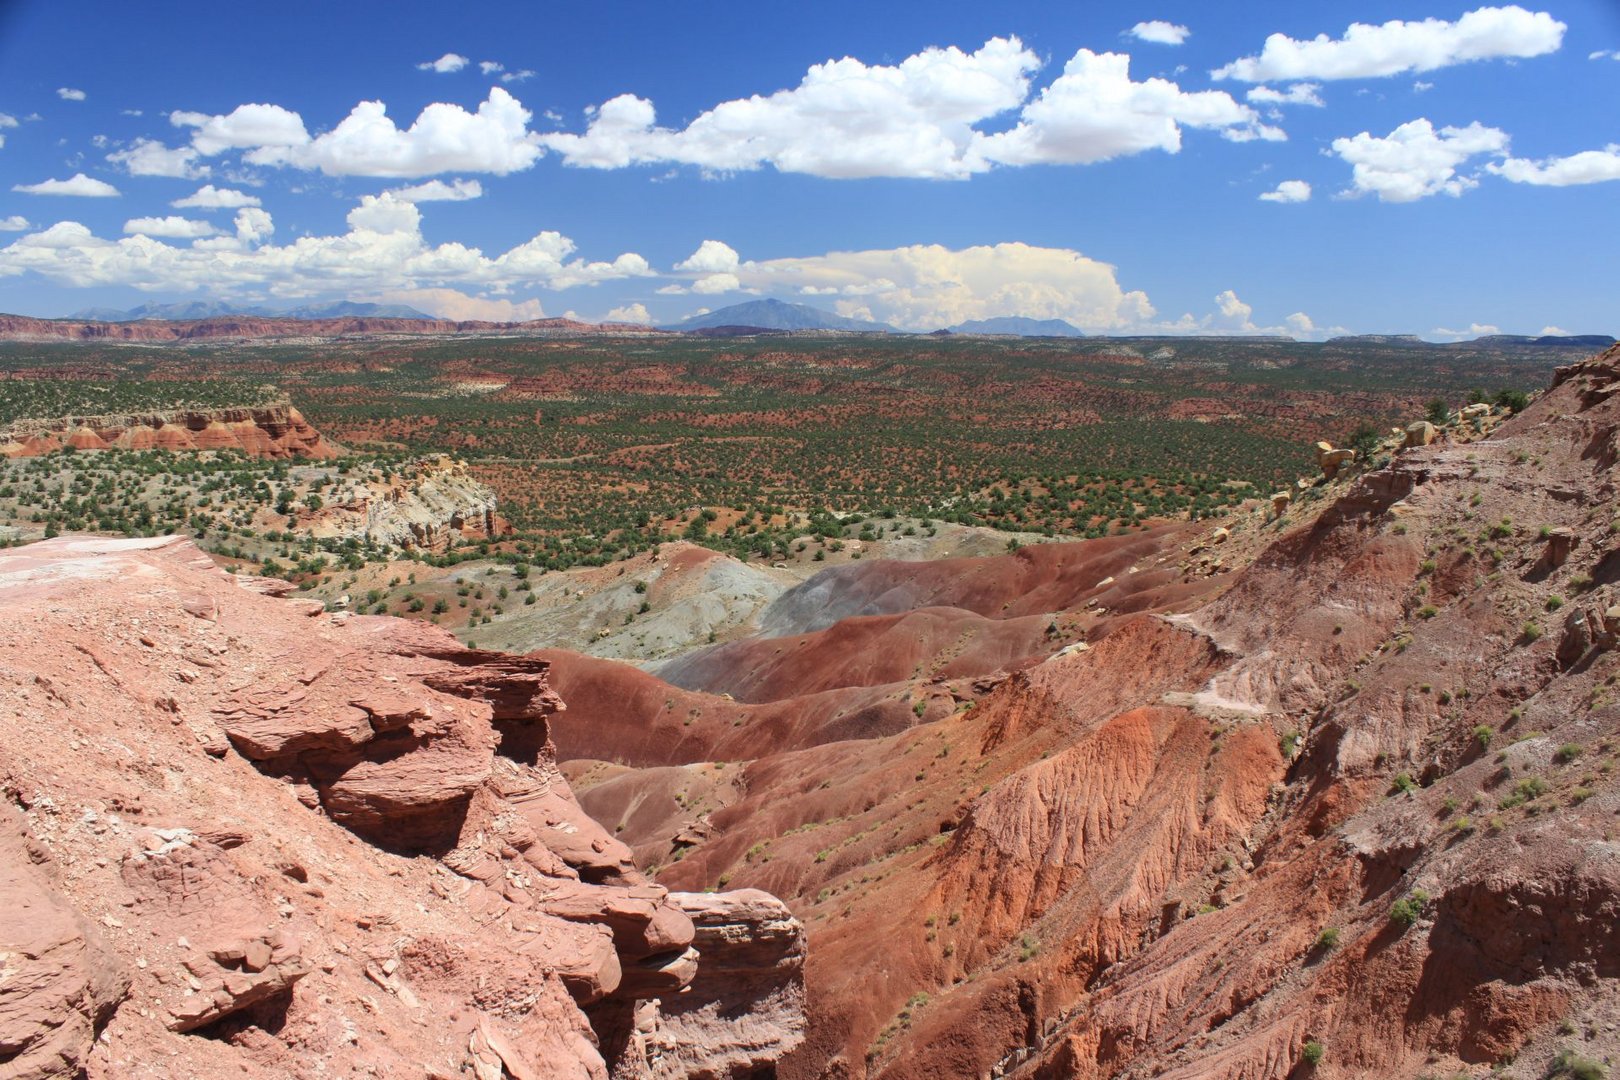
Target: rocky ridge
column 274, row 429
column 239, row 835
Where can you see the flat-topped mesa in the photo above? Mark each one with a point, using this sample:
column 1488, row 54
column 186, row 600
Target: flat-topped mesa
column 272, row 429
column 236, row 816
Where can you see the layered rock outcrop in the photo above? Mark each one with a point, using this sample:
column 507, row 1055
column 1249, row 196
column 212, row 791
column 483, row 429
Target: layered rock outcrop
column 272, row 430
column 240, row 835
column 433, row 506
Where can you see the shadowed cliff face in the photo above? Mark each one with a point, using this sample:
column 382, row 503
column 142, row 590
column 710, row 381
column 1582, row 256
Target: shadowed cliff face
column 239, row 834
column 1339, row 783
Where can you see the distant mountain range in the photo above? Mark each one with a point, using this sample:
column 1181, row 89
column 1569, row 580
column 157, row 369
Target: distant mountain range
column 1559, row 341
column 1019, row 327
column 1585, row 341
column 781, row 316
column 777, row 315
column 213, row 309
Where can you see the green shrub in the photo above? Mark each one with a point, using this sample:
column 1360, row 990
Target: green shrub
column 1328, row 939
column 1567, row 753
column 1403, row 784
column 1311, row 1053
column 1579, row 1067
column 1483, row 734
column 1405, row 911
column 1525, row 790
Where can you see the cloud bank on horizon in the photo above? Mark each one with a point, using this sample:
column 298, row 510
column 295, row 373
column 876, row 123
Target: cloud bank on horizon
column 959, row 115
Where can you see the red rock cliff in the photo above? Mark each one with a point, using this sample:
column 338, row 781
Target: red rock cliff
column 274, row 430
column 239, row 836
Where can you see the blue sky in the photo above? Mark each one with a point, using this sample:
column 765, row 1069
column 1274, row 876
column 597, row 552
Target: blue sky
column 1436, row 168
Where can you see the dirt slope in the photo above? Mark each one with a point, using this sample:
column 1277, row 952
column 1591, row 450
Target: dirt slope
column 1356, row 808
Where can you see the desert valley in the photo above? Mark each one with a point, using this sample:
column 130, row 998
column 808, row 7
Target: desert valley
column 331, row 745
column 809, row 542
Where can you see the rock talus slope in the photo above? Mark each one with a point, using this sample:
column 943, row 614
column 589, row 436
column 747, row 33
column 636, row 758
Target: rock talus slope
column 241, row 836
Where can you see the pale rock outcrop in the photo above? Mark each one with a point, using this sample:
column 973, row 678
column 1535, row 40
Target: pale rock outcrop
column 1331, row 460
column 1419, row 433
column 433, row 506
column 745, row 1008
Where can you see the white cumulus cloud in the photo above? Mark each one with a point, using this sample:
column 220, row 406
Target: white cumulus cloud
column 444, row 65
column 383, row 251
column 14, row 223
column 68, row 93
column 1586, row 167
column 926, row 286
column 845, row 119
column 7, row 120
column 1396, row 47
column 148, row 157
column 1159, row 32
column 77, row 184
column 1415, row 161
column 439, row 191
column 714, row 284
column 209, row 197
column 172, row 227
column 443, row 138
column 629, row 313
column 1289, row 191
column 1094, row 112
column 455, row 304
column 1234, row 312
column 491, row 67
column 247, row 127
column 711, row 257
column 1302, row 93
